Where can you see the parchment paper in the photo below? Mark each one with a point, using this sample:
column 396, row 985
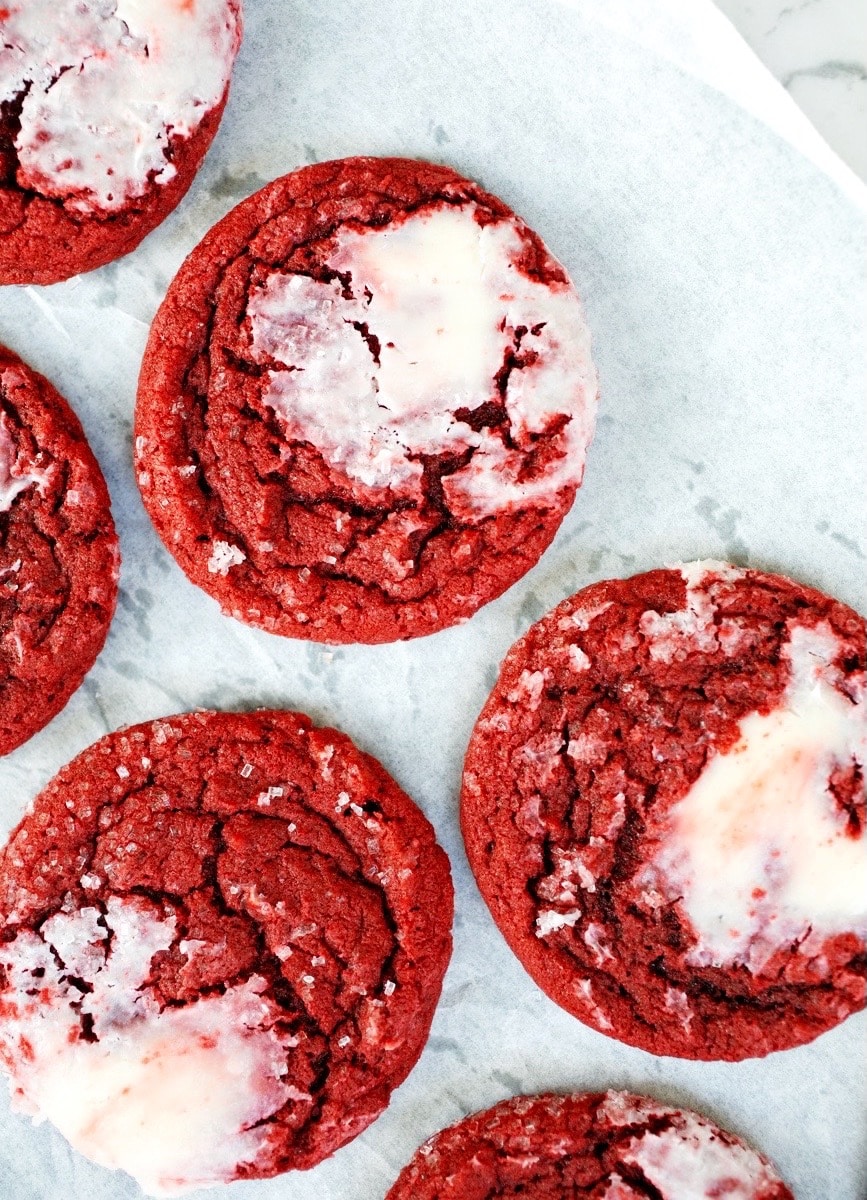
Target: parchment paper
column 721, row 273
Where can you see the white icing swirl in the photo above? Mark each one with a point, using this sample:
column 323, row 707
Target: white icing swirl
column 375, row 379
column 108, row 84
column 170, row 1095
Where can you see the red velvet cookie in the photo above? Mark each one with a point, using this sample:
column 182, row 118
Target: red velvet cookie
column 222, row 939
column 58, row 553
column 365, row 403
column 608, row 1146
column 106, row 111
column 663, row 805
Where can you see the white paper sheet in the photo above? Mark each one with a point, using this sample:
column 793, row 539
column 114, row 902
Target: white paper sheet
column 721, row 273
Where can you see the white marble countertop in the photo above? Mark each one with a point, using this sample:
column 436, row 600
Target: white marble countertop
column 818, row 51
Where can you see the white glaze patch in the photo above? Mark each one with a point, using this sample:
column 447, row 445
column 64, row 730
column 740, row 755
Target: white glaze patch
column 584, row 991
column 692, row 1162
column 167, row 1096
column 616, row 1189
column 110, row 82
column 583, row 618
column 689, row 1161
column 529, row 690
column 692, row 630
column 14, row 479
column 594, row 936
column 443, row 298
column 578, row 660
column 757, row 849
column 677, row 1003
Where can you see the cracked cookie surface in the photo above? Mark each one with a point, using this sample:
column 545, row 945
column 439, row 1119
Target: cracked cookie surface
column 602, row 1146
column 365, row 403
column 663, row 805
column 223, row 938
column 107, row 108
column 58, row 553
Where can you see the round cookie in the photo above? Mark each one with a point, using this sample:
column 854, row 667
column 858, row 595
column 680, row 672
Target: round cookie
column 365, row 403
column 58, row 553
column 663, row 805
column 106, row 111
column 222, row 939
column 601, row 1146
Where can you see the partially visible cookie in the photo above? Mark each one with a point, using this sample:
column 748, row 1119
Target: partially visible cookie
column 603, row 1146
column 365, row 403
column 222, row 940
column 58, row 553
column 106, row 111
column 663, row 805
